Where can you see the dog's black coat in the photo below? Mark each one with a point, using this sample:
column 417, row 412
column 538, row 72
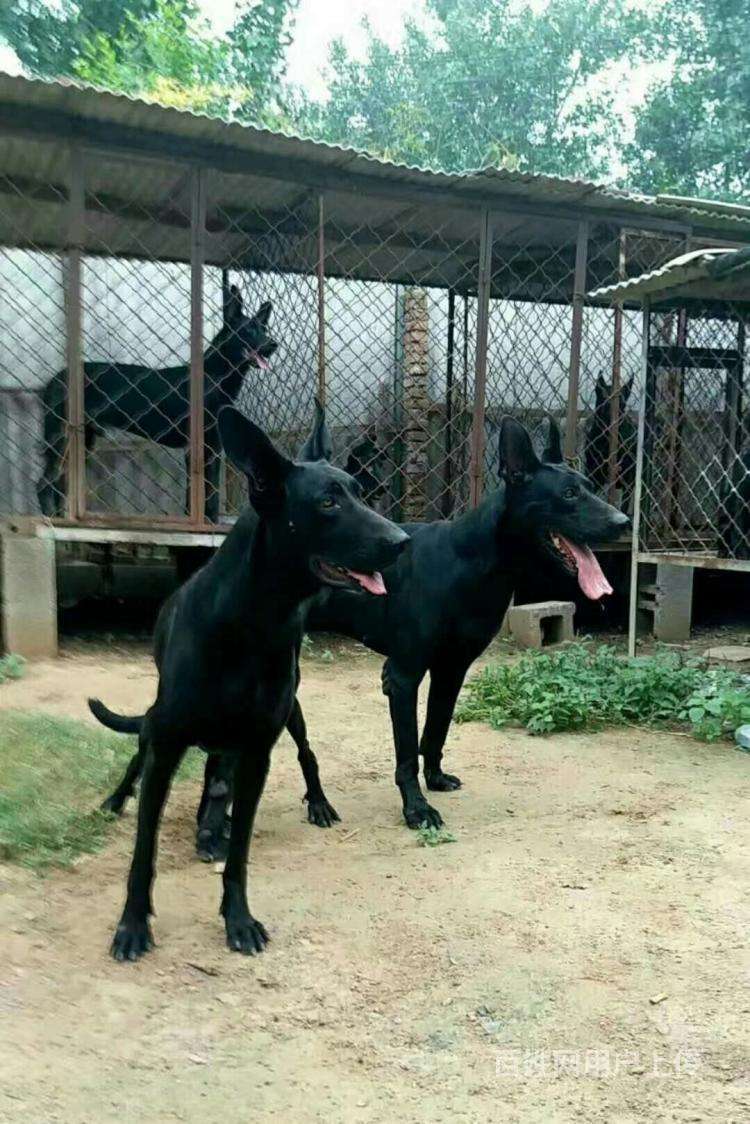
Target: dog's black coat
column 227, row 646
column 155, row 402
column 596, row 441
column 447, row 595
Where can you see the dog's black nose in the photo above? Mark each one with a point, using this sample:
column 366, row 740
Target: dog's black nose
column 621, row 521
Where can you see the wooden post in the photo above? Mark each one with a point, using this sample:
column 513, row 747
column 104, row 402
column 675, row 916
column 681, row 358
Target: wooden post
column 476, row 455
column 197, row 420
column 76, row 474
column 416, row 404
column 576, row 335
column 321, row 301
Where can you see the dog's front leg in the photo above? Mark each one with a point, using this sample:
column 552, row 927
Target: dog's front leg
column 445, row 684
column 133, row 934
column 319, row 811
column 401, row 689
column 244, row 933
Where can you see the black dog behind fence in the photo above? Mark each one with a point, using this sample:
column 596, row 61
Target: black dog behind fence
column 154, row 403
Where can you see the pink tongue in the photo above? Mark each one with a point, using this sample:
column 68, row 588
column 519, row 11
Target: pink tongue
column 261, row 361
column 373, row 583
column 590, row 577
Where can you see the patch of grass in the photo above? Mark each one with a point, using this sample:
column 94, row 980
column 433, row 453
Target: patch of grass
column 11, row 667
column 580, row 687
column 55, row 772
column 434, row 836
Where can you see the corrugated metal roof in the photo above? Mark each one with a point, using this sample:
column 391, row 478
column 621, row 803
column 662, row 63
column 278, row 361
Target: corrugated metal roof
column 89, row 104
column 700, row 274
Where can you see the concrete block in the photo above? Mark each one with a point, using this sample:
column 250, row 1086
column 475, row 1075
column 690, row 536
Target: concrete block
column 541, row 624
column 669, row 601
column 28, row 595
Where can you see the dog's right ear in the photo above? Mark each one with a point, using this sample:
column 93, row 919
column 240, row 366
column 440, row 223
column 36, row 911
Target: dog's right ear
column 318, row 446
column 553, row 449
column 252, row 452
column 518, row 461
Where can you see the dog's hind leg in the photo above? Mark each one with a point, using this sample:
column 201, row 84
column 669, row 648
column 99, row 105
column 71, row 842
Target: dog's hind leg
column 445, row 684
column 133, row 934
column 319, row 811
column 401, row 689
column 244, row 933
column 212, row 836
column 126, row 788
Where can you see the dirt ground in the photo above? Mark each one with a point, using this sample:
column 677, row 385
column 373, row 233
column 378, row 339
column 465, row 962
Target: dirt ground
column 580, row 952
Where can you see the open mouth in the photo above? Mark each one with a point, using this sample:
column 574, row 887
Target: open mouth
column 257, row 359
column 343, row 578
column 581, row 561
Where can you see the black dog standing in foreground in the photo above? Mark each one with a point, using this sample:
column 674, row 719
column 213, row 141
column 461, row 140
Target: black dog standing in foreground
column 227, row 646
column 448, row 593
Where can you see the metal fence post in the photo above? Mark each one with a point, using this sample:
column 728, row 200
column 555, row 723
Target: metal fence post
column 576, row 335
column 76, row 474
column 476, row 456
column 321, row 269
column 197, row 374
column 638, row 487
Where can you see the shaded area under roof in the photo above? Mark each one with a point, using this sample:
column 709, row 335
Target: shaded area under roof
column 384, row 221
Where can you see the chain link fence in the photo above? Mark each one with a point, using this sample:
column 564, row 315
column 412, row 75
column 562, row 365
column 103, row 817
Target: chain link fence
column 696, row 457
column 140, row 295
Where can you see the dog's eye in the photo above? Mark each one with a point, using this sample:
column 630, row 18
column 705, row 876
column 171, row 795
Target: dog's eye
column 570, row 493
column 328, row 503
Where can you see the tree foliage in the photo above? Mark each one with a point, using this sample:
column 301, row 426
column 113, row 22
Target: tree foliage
column 488, row 82
column 692, row 135
column 161, row 48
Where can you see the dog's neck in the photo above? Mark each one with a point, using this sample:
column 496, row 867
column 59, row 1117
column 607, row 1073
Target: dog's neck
column 267, row 581
column 224, row 356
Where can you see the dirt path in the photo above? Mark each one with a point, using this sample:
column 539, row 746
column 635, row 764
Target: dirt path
column 509, row 976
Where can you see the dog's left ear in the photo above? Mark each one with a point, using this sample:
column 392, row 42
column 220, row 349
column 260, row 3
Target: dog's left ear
column 518, row 461
column 252, row 452
column 233, row 307
column 263, row 315
column 318, row 446
column 553, row 450
column 625, row 393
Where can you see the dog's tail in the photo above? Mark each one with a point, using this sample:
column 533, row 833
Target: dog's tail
column 122, row 723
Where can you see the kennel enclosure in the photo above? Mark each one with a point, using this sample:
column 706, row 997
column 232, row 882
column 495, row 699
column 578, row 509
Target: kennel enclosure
column 419, row 306
column 692, row 491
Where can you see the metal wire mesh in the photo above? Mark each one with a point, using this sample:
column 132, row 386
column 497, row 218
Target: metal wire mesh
column 696, row 460
column 200, row 287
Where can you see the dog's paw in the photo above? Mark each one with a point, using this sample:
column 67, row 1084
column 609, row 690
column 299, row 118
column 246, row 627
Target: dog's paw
column 246, row 935
column 210, row 847
column 438, row 781
column 131, row 940
column 422, row 815
column 321, row 813
column 114, row 804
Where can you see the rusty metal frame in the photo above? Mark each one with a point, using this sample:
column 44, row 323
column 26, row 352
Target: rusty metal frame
column 321, row 285
column 75, row 476
column 484, row 285
column 576, row 337
column 197, row 454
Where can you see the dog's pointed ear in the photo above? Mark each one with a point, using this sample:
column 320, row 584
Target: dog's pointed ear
column 318, row 446
column 263, row 315
column 252, row 452
column 518, row 461
column 233, row 309
column 602, row 390
column 553, row 449
column 625, row 393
